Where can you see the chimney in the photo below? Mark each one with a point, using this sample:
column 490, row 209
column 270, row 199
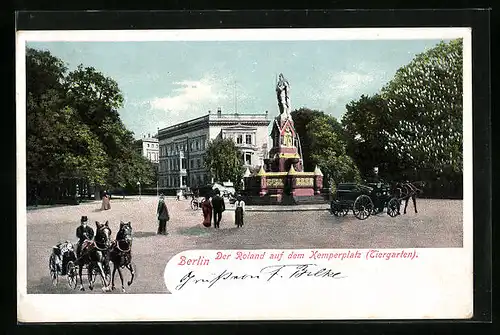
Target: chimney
column 219, row 111
column 209, row 112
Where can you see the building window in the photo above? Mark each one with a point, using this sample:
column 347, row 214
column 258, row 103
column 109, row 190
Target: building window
column 239, row 139
column 184, row 180
column 248, row 159
column 197, row 145
column 198, row 163
column 183, row 162
column 248, row 139
column 191, row 163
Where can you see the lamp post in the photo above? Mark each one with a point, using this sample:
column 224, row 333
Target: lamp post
column 157, row 188
column 139, row 185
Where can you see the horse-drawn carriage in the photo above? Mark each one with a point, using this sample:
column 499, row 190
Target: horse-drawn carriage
column 95, row 258
column 364, row 200
column 61, row 262
column 64, row 262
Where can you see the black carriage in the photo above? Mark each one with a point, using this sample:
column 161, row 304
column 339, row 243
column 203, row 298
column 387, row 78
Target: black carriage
column 363, row 200
column 61, row 263
column 91, row 271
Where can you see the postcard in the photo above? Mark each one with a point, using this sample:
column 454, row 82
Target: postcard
column 244, row 174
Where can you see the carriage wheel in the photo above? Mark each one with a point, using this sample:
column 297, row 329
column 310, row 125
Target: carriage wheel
column 194, row 204
column 54, row 275
column 71, row 274
column 393, row 207
column 336, row 209
column 363, row 207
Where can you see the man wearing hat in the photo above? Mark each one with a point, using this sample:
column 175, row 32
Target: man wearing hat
column 83, row 232
column 163, row 216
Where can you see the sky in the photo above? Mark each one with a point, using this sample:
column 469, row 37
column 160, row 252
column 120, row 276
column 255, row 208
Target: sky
column 167, row 82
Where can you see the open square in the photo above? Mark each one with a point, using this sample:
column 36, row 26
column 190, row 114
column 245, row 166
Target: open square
column 438, row 224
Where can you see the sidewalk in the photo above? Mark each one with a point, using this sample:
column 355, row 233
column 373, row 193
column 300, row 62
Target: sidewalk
column 292, row 208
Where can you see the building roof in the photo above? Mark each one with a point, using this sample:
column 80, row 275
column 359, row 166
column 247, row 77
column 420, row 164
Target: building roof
column 214, row 119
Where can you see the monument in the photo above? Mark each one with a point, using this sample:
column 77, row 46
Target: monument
column 281, row 180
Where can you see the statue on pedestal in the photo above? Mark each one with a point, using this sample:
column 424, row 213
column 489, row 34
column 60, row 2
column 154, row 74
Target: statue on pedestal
column 283, row 95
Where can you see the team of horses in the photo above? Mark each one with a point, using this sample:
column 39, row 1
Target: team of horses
column 97, row 254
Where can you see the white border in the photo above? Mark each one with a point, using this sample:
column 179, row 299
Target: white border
column 47, row 308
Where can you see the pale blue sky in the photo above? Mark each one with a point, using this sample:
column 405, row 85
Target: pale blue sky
column 164, row 83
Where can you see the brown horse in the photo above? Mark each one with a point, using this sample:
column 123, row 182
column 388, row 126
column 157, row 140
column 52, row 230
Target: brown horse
column 121, row 254
column 94, row 255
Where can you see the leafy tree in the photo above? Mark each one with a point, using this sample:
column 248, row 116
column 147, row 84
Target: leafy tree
column 73, row 129
column 223, row 160
column 424, row 100
column 362, row 123
column 44, row 73
column 301, row 118
column 97, row 98
column 328, row 151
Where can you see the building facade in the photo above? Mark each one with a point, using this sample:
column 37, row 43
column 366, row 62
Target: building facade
column 149, row 148
column 182, row 146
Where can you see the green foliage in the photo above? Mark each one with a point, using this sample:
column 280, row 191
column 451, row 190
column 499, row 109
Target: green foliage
column 301, row 118
column 73, row 129
column 424, row 100
column 223, row 160
column 362, row 124
column 328, row 151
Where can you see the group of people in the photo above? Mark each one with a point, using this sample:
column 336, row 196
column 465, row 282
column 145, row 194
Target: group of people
column 212, row 209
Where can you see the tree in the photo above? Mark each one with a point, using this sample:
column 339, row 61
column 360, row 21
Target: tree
column 223, row 160
column 301, row 118
column 73, row 129
column 328, row 151
column 97, row 98
column 424, row 100
column 362, row 124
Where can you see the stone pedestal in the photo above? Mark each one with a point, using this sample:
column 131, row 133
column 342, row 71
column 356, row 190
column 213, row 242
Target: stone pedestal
column 282, row 179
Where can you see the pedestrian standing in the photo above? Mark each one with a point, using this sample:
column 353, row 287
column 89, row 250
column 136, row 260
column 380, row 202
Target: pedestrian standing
column 105, row 201
column 206, row 207
column 218, row 207
column 163, row 216
column 239, row 212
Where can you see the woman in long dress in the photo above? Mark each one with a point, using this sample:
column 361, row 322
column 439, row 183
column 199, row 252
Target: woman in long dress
column 239, row 212
column 105, row 202
column 206, row 207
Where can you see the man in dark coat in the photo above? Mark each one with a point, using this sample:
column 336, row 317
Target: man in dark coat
column 163, row 216
column 83, row 232
column 218, row 206
column 374, row 178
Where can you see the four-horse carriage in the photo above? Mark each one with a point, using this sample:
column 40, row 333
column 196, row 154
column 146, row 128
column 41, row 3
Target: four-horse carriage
column 364, row 200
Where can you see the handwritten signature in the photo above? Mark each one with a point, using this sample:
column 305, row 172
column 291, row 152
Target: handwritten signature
column 288, row 271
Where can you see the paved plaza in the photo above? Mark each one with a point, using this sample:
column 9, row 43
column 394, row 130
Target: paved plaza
column 437, row 224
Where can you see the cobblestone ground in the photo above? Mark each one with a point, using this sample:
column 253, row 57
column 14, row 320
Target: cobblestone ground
column 438, row 224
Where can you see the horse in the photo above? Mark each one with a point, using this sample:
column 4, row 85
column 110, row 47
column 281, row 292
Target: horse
column 121, row 254
column 95, row 254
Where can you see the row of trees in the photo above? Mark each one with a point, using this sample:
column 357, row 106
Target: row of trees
column 411, row 129
column 74, row 133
